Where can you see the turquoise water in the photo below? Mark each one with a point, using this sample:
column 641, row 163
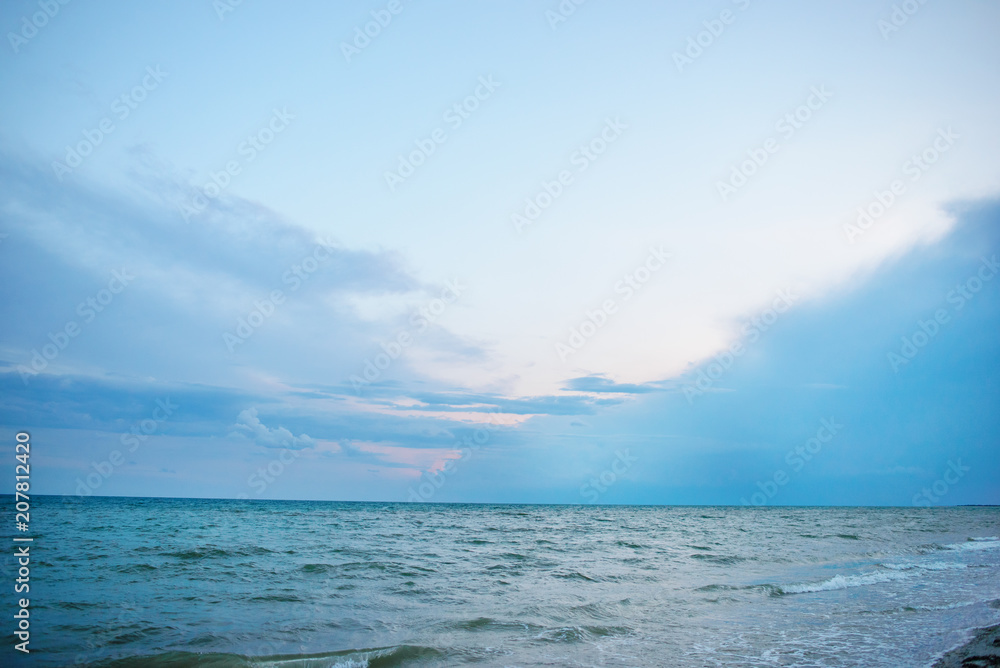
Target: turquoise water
column 171, row 582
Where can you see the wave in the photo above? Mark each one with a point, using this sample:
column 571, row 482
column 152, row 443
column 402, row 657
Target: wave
column 136, row 568
column 573, row 634
column 720, row 558
column 769, row 589
column 215, row 553
column 573, row 575
column 844, row 582
column 480, row 623
column 984, row 543
column 346, row 569
column 383, row 657
column 199, row 553
column 934, row 566
column 625, row 543
column 278, row 598
column 317, row 568
column 885, row 573
column 539, row 633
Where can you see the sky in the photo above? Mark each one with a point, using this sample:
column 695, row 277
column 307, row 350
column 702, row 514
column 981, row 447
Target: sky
column 729, row 252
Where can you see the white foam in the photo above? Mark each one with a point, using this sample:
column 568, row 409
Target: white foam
column 315, row 662
column 933, row 566
column 351, row 663
column 987, row 543
column 845, row 582
column 886, row 573
column 361, row 661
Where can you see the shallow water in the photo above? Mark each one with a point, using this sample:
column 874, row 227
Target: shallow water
column 225, row 583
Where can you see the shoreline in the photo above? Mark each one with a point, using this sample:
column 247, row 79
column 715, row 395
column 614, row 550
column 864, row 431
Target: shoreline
column 982, row 650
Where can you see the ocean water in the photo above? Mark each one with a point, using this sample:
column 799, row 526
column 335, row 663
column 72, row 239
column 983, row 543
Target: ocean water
column 169, row 582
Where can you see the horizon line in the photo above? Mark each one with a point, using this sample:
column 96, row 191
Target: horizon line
column 504, row 503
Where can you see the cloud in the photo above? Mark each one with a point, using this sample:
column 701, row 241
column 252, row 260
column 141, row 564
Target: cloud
column 900, row 423
column 194, row 284
column 713, row 450
column 600, row 383
column 398, row 456
column 248, row 425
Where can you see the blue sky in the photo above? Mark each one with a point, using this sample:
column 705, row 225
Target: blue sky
column 654, row 253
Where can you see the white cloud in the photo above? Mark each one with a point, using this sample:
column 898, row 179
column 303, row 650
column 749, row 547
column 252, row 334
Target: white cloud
column 248, row 425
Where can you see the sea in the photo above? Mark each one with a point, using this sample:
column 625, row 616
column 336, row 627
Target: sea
column 129, row 582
